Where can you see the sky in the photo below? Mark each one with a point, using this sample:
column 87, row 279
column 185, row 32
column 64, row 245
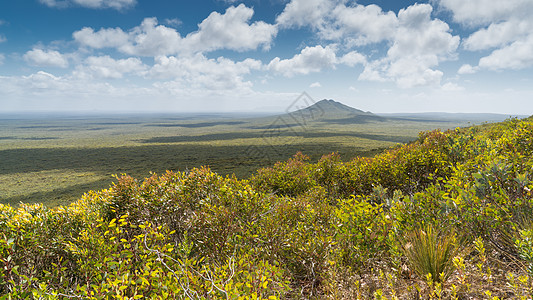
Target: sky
column 383, row 56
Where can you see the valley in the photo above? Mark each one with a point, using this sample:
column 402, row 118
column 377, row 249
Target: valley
column 54, row 159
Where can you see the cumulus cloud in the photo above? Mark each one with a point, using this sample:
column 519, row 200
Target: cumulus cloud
column 418, row 34
column 311, row 59
column 467, row 69
column 416, row 42
column 298, row 13
column 2, row 57
column 48, row 58
column 104, row 38
column 360, row 24
column 482, row 12
column 231, row 30
column 151, row 39
column 315, row 85
column 107, row 67
column 353, row 58
column 333, row 19
column 517, row 55
column 499, row 34
column 113, row 4
column 419, row 43
column 413, row 71
column 210, row 84
column 314, row 59
column 148, row 39
column 201, row 72
column 505, row 27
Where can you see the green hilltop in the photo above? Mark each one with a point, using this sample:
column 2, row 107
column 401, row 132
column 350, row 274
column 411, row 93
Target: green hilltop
column 328, row 108
column 447, row 216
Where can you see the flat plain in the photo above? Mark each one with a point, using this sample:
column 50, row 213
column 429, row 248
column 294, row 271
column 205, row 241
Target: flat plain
column 54, row 159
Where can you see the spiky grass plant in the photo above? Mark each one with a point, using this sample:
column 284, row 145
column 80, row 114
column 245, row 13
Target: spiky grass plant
column 431, row 251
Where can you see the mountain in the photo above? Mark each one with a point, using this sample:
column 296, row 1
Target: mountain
column 331, row 111
column 332, row 107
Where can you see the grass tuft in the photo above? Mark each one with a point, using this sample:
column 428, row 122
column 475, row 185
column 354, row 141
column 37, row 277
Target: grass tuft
column 431, row 251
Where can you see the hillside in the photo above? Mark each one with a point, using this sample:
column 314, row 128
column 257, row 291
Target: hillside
column 448, row 216
column 329, row 111
column 331, row 108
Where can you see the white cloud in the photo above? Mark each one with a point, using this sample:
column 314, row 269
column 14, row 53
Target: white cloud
column 230, row 30
column 498, row 34
column 107, row 67
column 208, row 90
column 104, row 38
column 353, row 58
column 504, row 26
column 360, row 25
column 518, row 55
column 311, row 59
column 417, row 43
column 467, row 69
column 480, row 12
column 48, row 92
column 298, row 13
column 452, row 87
column 315, row 85
column 151, row 39
column 49, row 58
column 333, row 20
column 175, row 22
column 114, row 4
column 44, row 80
column 2, row 57
column 148, row 39
column 417, row 34
column 413, row 71
column 199, row 72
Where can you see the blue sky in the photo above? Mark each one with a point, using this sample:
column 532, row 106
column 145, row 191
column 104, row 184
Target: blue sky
column 259, row 55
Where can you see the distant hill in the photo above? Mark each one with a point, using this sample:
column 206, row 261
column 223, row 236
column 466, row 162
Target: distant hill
column 333, row 108
column 331, row 111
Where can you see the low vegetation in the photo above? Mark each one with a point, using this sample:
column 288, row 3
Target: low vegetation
column 55, row 160
column 448, row 216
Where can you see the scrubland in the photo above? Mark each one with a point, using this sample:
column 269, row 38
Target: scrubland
column 446, row 216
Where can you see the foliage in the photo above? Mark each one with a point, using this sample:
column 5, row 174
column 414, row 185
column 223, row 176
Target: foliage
column 330, row 229
column 430, row 251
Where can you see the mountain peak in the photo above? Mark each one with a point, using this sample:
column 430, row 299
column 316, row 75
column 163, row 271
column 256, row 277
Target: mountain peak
column 331, row 111
column 329, row 106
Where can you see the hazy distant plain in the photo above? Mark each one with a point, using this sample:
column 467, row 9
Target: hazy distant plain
column 54, row 159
